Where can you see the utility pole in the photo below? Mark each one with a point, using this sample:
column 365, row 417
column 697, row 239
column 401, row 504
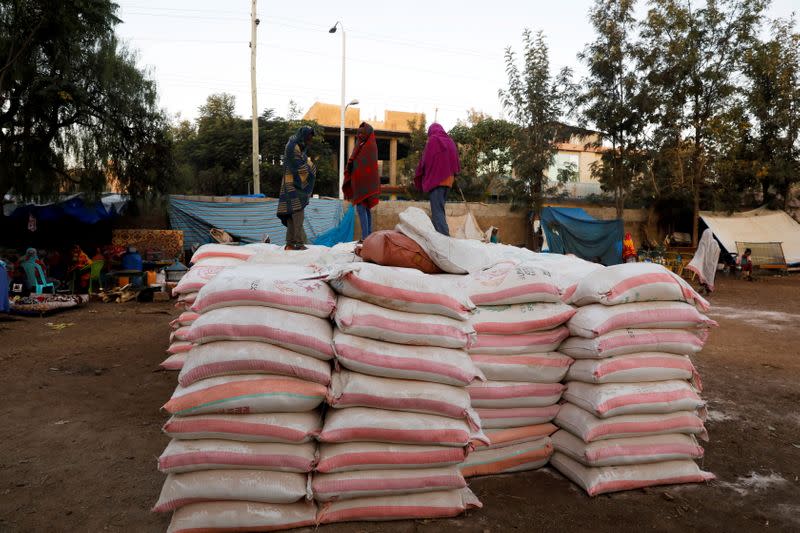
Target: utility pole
column 256, row 166
column 436, row 115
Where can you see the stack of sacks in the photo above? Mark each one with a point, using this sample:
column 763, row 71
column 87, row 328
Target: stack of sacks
column 208, row 261
column 401, row 420
column 179, row 346
column 633, row 411
column 245, row 412
column 520, row 323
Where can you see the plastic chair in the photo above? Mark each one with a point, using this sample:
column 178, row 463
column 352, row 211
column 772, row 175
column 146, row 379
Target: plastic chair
column 36, row 280
column 95, row 274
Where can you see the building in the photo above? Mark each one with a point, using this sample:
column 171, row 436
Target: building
column 583, row 149
column 392, row 135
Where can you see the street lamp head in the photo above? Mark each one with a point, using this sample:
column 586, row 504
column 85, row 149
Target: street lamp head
column 353, row 102
column 333, row 28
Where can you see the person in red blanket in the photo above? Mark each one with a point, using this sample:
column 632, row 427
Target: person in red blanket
column 362, row 182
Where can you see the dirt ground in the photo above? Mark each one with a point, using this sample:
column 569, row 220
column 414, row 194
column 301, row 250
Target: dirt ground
column 80, row 430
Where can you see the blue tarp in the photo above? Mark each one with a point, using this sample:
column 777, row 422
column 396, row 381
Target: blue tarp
column 341, row 233
column 571, row 230
column 74, row 208
column 248, row 221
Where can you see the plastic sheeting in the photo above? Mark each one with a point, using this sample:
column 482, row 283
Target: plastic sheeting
column 74, row 208
column 758, row 225
column 247, row 220
column 571, row 230
column 341, row 233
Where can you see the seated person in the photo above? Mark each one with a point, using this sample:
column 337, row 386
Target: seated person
column 78, row 268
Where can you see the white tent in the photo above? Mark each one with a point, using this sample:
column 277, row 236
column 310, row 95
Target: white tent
column 758, row 225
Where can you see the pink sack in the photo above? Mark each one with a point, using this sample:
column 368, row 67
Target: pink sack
column 514, row 458
column 538, row 342
column 548, row 367
column 401, row 289
column 504, row 394
column 629, row 341
column 281, row 287
column 422, row 363
column 590, row 428
column 255, row 393
column 628, row 451
column 180, row 334
column 192, row 455
column 227, row 358
column 648, row 366
column 356, row 424
column 364, row 319
column 516, row 416
column 261, row 427
column 373, row 483
column 520, row 318
column 634, row 282
column 650, row 397
column 351, row 389
column 248, row 485
column 301, row 333
column 512, row 283
column 440, row 504
column 347, row 456
column 596, row 319
column 601, row 480
column 184, row 319
column 173, row 362
column 180, row 347
column 502, row 437
column 219, row 517
column 242, row 253
column 196, row 278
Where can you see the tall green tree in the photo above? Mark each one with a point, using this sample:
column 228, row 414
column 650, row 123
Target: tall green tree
column 75, row 109
column 483, row 145
column 773, row 100
column 536, row 102
column 689, row 59
column 611, row 99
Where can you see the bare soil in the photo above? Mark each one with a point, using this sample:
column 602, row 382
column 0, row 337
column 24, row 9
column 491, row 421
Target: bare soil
column 80, row 430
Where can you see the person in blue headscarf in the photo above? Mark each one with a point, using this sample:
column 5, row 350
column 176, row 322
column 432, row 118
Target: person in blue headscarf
column 297, row 186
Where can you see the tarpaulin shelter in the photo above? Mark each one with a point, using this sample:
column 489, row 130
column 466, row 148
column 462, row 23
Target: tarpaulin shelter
column 58, row 224
column 571, row 230
column 249, row 219
column 757, row 226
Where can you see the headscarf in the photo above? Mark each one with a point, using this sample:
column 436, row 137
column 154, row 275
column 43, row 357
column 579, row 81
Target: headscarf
column 298, row 176
column 31, row 255
column 439, row 160
column 628, row 248
column 362, row 182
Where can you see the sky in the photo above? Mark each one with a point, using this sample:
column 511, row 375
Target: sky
column 408, row 56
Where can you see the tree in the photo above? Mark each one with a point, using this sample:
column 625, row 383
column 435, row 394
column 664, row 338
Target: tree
column 611, row 98
column 536, row 102
column 483, row 145
column 689, row 58
column 773, row 100
column 75, row 111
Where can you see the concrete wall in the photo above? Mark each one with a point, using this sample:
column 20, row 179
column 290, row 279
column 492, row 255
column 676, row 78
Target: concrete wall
column 511, row 223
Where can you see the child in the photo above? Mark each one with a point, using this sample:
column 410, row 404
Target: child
column 747, row 265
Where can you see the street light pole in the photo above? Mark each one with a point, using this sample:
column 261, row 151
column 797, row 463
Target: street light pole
column 342, row 109
column 256, row 167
